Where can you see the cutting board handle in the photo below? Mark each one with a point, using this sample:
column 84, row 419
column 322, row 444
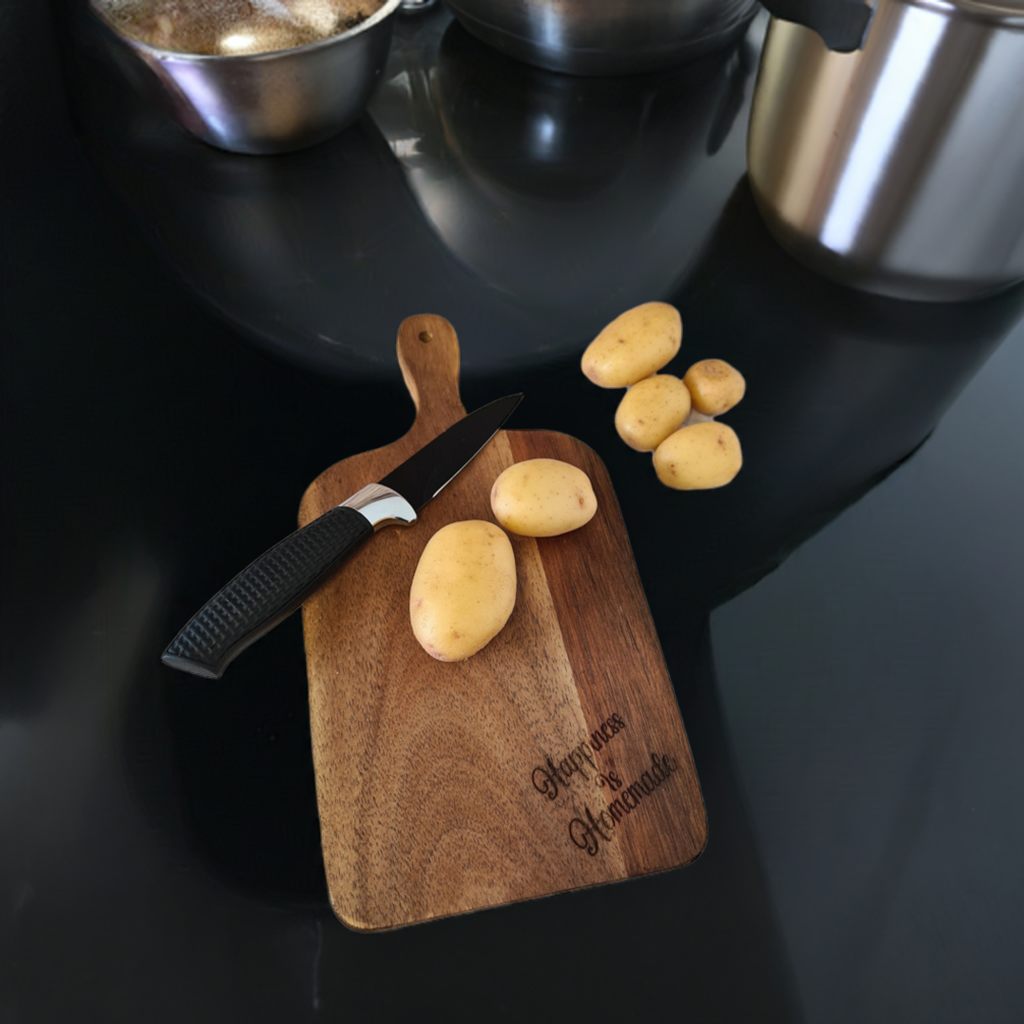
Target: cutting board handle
column 428, row 353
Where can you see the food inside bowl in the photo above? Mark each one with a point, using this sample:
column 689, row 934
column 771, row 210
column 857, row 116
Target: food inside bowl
column 234, row 27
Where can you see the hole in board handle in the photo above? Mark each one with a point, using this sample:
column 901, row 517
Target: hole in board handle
column 426, row 336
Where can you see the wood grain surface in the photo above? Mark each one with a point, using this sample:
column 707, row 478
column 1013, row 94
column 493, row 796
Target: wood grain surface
column 449, row 787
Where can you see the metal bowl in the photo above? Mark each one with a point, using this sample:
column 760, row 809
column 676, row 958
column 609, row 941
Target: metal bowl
column 615, row 37
column 271, row 102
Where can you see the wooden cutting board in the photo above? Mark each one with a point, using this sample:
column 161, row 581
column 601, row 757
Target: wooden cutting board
column 553, row 759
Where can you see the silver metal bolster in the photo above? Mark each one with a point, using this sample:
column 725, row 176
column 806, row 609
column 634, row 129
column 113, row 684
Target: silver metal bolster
column 381, row 507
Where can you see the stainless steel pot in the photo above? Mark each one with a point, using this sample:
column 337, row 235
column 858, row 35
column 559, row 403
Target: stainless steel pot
column 604, row 37
column 270, row 102
column 898, row 168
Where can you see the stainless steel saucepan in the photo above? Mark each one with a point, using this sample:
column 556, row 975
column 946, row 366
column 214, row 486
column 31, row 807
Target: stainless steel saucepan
column 609, row 37
column 897, row 168
column 251, row 90
column 628, row 37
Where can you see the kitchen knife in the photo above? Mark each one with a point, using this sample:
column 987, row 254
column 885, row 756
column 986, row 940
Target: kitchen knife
column 273, row 586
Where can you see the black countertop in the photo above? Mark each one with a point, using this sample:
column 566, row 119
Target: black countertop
column 189, row 338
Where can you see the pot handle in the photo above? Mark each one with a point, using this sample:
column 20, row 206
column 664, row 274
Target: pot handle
column 843, row 24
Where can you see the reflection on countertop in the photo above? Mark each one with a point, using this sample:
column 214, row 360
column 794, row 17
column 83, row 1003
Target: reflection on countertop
column 528, row 208
column 571, row 195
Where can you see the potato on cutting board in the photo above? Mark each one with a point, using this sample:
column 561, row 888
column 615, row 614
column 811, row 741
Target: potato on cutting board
column 543, row 498
column 463, row 591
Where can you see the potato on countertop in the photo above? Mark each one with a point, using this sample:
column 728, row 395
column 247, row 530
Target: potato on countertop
column 699, row 457
column 464, row 589
column 634, row 345
column 651, row 410
column 543, row 498
column 715, row 386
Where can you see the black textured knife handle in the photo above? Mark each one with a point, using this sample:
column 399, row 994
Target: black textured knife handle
column 269, row 590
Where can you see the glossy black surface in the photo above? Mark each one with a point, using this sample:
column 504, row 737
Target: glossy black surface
column 190, row 338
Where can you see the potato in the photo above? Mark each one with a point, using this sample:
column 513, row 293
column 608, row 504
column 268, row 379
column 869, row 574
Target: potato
column 634, row 345
column 651, row 410
column 699, row 457
column 463, row 591
column 715, row 386
column 543, row 498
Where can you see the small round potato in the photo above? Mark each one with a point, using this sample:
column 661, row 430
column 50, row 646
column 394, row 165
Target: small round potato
column 699, row 457
column 634, row 345
column 543, row 498
column 651, row 410
column 715, row 386
column 463, row 591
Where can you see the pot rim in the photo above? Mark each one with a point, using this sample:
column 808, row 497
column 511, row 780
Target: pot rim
column 183, row 56
column 1005, row 12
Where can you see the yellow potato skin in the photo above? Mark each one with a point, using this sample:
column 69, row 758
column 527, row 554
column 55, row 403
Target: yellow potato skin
column 634, row 345
column 699, row 457
column 463, row 591
column 543, row 498
column 651, row 410
column 715, row 386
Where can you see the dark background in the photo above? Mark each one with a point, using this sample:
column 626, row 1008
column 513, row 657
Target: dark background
column 842, row 622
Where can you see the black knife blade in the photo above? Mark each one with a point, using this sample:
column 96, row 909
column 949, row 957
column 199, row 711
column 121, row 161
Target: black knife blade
column 275, row 584
column 423, row 475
